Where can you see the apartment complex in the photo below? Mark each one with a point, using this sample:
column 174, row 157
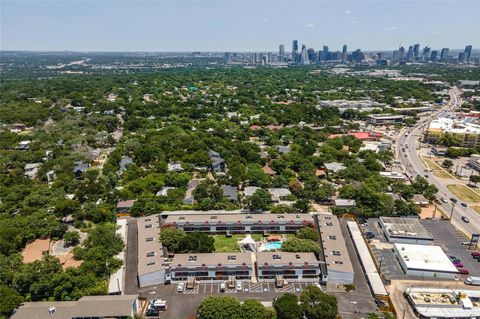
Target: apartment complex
column 151, row 267
column 334, row 255
column 217, row 266
column 466, row 130
column 289, row 265
column 384, row 119
column 240, row 223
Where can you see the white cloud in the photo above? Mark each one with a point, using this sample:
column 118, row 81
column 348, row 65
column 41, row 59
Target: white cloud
column 309, row 25
column 392, row 28
column 266, row 20
column 354, row 22
column 347, row 12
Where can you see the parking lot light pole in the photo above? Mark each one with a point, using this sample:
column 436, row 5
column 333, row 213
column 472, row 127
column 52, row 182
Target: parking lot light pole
column 451, row 212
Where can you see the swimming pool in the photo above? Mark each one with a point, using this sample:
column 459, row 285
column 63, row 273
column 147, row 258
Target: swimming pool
column 274, row 245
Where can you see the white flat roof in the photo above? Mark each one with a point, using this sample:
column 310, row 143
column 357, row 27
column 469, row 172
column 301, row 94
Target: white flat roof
column 419, row 257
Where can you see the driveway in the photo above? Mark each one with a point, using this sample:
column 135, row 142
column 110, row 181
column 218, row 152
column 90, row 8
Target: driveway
column 131, row 260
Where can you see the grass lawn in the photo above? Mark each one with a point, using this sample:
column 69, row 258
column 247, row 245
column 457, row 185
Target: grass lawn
column 476, row 208
column 226, row 245
column 437, row 169
column 464, row 193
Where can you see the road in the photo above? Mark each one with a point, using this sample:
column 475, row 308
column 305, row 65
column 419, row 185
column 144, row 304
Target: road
column 415, row 166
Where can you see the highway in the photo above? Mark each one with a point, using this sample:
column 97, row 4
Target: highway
column 408, row 138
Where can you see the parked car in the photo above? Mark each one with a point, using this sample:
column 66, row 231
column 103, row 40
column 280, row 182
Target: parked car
column 463, row 271
column 465, row 219
column 369, row 235
column 453, row 258
column 464, row 205
column 475, row 254
column 181, row 287
column 454, row 200
column 443, row 199
column 239, row 286
column 458, row 264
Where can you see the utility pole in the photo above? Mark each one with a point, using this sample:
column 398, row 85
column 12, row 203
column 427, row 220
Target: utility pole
column 451, row 213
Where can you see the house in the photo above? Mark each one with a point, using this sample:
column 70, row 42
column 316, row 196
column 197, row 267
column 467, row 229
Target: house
column 31, row 169
column 320, row 173
column 51, row 176
column 334, row 168
column 268, row 170
column 124, row 207
column 164, row 191
column 282, row 149
column 109, row 306
column 230, row 192
column 279, row 193
column 250, row 190
column 175, row 167
column 189, row 198
column 345, row 203
column 23, row 145
column 419, row 199
column 35, row 250
column 124, row 163
column 217, row 162
column 80, row 168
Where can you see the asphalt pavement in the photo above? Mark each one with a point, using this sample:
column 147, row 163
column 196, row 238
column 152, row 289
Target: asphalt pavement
column 414, row 166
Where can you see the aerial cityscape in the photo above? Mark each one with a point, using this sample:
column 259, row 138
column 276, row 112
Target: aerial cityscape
column 147, row 171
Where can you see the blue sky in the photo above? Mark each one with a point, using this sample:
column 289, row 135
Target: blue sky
column 102, row 25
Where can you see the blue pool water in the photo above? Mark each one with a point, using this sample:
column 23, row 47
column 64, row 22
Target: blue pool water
column 274, row 245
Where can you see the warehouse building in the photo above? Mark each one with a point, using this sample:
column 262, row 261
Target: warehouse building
column 405, row 230
column 296, row 266
column 216, row 266
column 334, row 252
column 418, row 260
column 151, row 267
column 444, row 303
column 240, row 223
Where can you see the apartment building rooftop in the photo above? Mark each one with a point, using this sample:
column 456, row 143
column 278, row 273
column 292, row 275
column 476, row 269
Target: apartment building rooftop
column 150, row 254
column 238, row 218
column 286, row 258
column 211, row 260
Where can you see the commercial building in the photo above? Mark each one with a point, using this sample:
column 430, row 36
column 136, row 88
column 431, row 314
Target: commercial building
column 215, row 266
column 151, row 266
column 240, row 223
column 384, row 119
column 417, row 260
column 303, row 266
column 334, row 252
column 120, row 306
column 444, row 303
column 466, row 130
column 405, row 230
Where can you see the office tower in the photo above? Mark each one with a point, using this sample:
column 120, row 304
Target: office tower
column 270, row 57
column 410, row 53
column 426, row 54
column 228, row 56
column 281, row 53
column 434, row 56
column 461, row 57
column 468, row 52
column 311, row 54
column 344, row 49
column 324, row 55
column 295, row 51
column 357, row 56
column 416, row 51
column 401, row 53
column 303, row 56
column 444, row 54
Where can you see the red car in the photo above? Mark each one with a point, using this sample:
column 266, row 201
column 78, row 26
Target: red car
column 463, row 271
column 475, row 254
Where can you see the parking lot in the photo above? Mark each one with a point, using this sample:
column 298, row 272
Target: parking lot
column 247, row 287
column 445, row 235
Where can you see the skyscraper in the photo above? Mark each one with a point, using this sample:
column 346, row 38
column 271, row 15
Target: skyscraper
column 444, row 54
column 416, row 51
column 311, row 55
column 344, row 49
column 401, row 53
column 304, row 56
column 434, row 56
column 426, row 54
column 468, row 52
column 295, row 50
column 281, row 53
column 410, row 53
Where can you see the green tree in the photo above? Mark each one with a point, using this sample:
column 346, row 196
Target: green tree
column 307, row 233
column 474, row 179
column 287, row 307
column 218, row 308
column 299, row 245
column 258, row 201
column 172, row 238
column 197, row 242
column 253, row 309
column 318, row 305
column 9, row 300
column 71, row 238
column 447, row 163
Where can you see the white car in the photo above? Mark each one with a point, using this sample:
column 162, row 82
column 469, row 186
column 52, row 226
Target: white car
column 239, row 286
column 181, row 287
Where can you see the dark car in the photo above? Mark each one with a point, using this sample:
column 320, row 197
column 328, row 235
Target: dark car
column 453, row 200
column 464, row 205
column 369, row 235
